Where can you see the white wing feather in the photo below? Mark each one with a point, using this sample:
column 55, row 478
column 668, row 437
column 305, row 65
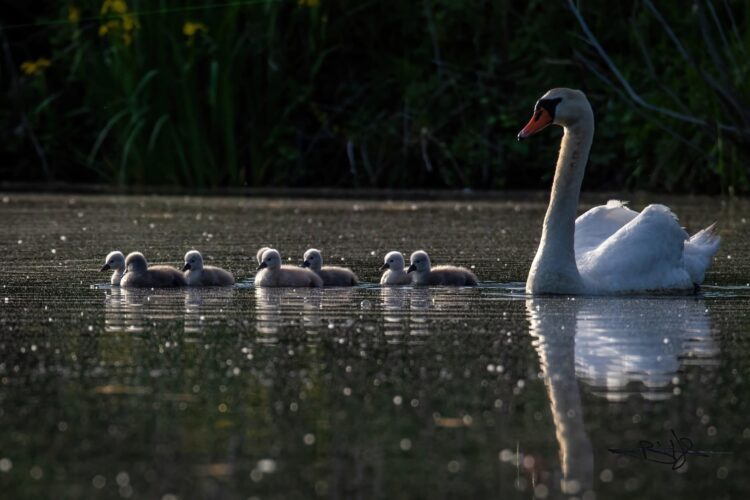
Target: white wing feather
column 644, row 254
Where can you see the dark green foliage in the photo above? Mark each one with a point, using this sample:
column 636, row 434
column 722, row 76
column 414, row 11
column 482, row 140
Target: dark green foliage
column 422, row 94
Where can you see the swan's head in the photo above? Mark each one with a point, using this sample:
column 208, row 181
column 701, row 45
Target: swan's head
column 313, row 259
column 393, row 261
column 260, row 253
column 135, row 262
column 115, row 261
column 193, row 261
column 271, row 259
column 420, row 262
column 564, row 107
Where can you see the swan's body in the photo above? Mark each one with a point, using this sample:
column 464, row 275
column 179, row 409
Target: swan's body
column 116, row 262
column 426, row 275
column 331, row 275
column 197, row 274
column 139, row 274
column 610, row 248
column 394, row 274
column 272, row 274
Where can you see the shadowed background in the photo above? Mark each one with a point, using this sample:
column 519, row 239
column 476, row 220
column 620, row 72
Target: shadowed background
column 370, row 94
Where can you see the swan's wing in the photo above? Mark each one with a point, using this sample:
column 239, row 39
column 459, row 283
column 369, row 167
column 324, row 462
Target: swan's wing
column 644, row 254
column 699, row 250
column 599, row 223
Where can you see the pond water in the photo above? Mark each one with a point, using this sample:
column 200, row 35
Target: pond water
column 366, row 392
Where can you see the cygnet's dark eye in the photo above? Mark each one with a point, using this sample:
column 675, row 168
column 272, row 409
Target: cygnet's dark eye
column 390, row 260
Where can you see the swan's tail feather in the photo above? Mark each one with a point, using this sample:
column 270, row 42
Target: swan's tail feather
column 699, row 250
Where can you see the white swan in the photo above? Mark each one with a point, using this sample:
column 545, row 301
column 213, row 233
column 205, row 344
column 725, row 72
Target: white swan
column 610, row 248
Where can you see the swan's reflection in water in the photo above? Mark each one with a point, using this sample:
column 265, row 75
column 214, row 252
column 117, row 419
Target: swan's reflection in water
column 616, row 347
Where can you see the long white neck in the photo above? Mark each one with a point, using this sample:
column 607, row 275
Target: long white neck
column 554, row 268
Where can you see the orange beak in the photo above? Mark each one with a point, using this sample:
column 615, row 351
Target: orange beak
column 539, row 121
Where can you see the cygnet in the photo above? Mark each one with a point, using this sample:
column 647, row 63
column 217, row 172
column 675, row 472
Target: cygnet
column 425, row 275
column 271, row 273
column 116, row 262
column 199, row 275
column 260, row 253
column 139, row 274
column 394, row 274
column 331, row 275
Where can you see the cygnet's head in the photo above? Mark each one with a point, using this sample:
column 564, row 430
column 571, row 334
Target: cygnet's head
column 259, row 255
column 135, row 262
column 313, row 259
column 393, row 261
column 115, row 261
column 420, row 262
column 564, row 107
column 271, row 259
column 193, row 261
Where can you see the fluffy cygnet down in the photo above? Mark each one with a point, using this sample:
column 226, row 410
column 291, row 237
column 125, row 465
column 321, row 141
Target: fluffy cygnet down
column 426, row 275
column 260, row 253
column 331, row 275
column 199, row 275
column 116, row 262
column 394, row 274
column 272, row 273
column 139, row 274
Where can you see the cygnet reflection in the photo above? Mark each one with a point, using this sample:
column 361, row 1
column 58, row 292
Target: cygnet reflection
column 278, row 308
column 133, row 309
column 205, row 307
column 395, row 313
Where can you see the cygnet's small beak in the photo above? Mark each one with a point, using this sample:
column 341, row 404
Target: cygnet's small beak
column 385, row 266
column 306, row 263
column 412, row 268
column 262, row 265
column 186, row 267
column 105, row 267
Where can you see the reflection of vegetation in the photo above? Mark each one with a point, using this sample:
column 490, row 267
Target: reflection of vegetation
column 414, row 94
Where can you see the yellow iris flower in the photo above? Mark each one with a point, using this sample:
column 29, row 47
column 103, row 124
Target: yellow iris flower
column 119, row 21
column 35, row 67
column 190, row 29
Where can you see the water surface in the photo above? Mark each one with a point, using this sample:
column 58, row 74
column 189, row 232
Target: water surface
column 356, row 393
